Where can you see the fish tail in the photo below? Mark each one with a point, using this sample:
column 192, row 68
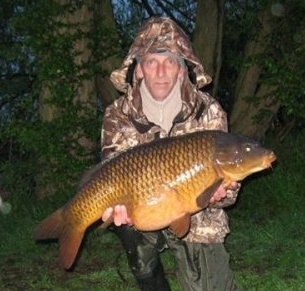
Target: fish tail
column 55, row 227
column 69, row 244
column 51, row 227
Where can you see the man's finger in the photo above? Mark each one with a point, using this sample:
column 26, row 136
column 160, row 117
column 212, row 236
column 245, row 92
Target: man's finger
column 107, row 214
column 118, row 215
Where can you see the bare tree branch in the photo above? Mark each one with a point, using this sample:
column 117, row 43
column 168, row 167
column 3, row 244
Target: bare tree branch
column 177, row 8
column 171, row 15
column 147, row 7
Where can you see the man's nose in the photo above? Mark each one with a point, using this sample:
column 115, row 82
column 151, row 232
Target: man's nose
column 160, row 70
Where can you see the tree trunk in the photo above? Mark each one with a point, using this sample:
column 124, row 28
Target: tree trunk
column 208, row 37
column 74, row 22
column 86, row 88
column 107, row 93
column 255, row 104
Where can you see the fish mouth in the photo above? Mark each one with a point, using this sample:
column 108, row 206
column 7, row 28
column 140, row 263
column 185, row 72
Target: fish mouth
column 269, row 159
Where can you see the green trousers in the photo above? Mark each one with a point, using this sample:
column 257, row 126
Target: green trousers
column 201, row 267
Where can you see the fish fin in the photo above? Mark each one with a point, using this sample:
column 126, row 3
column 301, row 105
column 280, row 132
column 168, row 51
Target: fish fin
column 90, row 175
column 69, row 243
column 204, row 198
column 105, row 224
column 51, row 227
column 55, row 227
column 181, row 226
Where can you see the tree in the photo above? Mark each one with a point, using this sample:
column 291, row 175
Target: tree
column 266, row 90
column 61, row 139
column 65, row 88
column 255, row 103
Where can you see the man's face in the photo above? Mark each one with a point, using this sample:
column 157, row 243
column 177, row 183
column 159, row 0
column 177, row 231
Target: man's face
column 160, row 73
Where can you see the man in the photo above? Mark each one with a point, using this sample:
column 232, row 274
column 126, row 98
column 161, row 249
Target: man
column 160, row 78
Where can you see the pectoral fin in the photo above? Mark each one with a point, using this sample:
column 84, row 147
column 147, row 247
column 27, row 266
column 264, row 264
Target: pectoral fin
column 181, row 226
column 204, row 198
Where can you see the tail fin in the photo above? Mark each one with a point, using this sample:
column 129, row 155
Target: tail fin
column 51, row 227
column 55, row 227
column 69, row 243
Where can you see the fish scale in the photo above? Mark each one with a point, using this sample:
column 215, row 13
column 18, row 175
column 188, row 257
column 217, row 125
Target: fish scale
column 161, row 184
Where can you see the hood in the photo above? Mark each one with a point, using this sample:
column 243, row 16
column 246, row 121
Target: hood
column 160, row 34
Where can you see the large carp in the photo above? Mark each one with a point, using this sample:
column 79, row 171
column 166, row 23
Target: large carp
column 161, row 183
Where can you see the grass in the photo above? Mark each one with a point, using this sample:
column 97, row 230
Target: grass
column 28, row 266
column 266, row 244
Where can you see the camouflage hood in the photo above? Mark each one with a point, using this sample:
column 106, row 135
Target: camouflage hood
column 159, row 35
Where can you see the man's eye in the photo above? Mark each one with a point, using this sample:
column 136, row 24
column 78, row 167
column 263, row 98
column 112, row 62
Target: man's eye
column 150, row 62
column 171, row 62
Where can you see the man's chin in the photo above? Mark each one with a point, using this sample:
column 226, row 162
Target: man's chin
column 160, row 96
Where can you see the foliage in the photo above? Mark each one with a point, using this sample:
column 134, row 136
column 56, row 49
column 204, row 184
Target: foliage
column 281, row 62
column 284, row 61
column 48, row 62
column 129, row 14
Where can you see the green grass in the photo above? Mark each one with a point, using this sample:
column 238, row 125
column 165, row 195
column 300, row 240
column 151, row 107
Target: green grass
column 266, row 244
column 26, row 265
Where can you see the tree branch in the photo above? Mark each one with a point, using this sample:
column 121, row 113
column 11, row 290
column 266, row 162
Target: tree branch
column 171, row 15
column 147, row 7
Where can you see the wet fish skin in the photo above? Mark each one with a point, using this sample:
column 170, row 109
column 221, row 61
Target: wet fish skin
column 161, row 183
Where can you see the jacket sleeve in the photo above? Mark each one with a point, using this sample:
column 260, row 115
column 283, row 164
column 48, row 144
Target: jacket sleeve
column 117, row 133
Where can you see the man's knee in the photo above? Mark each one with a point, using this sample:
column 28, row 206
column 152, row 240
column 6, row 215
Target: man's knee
column 146, row 263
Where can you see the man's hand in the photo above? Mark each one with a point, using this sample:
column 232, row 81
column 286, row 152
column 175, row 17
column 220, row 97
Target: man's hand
column 119, row 214
column 221, row 192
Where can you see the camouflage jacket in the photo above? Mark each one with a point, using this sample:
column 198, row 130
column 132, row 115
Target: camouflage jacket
column 125, row 124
